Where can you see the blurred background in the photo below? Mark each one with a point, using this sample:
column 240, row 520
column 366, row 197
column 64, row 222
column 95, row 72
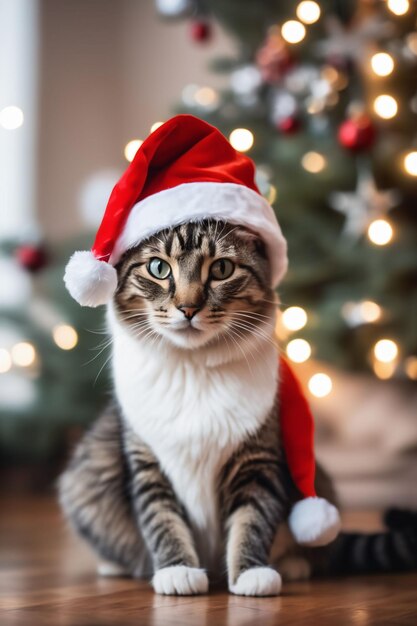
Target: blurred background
column 323, row 96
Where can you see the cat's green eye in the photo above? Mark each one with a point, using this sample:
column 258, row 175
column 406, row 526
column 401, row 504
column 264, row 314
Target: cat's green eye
column 158, row 268
column 222, row 269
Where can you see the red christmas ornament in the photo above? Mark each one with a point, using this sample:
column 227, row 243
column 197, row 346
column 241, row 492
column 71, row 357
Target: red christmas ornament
column 200, row 31
column 33, row 258
column 274, row 58
column 357, row 134
column 289, row 125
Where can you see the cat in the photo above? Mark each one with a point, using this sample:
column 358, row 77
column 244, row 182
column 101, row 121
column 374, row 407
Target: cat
column 184, row 475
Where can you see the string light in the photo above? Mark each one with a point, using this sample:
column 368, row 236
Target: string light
column 298, row 350
column 382, row 64
column 384, row 370
column 131, row 148
column 320, row 385
column 313, row 162
column 410, row 163
column 398, row 7
column 294, row 318
column 241, row 139
column 308, row 12
column 410, row 367
column 293, row 31
column 385, row 350
column 5, row 361
column 385, row 106
column 65, row 336
column 206, row 97
column 155, row 126
column 411, row 41
column 23, row 354
column 370, row 311
column 11, row 117
column 380, row 232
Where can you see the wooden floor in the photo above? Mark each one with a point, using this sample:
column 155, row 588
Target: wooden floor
column 47, row 578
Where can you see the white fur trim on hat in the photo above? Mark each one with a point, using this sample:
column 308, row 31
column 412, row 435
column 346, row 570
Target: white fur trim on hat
column 314, row 522
column 91, row 282
column 192, row 202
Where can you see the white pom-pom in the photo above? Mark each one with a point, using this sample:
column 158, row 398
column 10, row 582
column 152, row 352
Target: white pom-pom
column 91, row 282
column 314, row 522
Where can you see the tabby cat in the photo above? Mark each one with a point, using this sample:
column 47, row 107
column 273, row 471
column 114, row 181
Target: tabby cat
column 184, row 474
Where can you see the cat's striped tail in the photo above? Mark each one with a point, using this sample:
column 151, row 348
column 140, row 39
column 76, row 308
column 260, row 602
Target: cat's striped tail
column 394, row 550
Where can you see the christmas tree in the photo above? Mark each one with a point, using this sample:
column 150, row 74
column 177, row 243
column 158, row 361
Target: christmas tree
column 322, row 95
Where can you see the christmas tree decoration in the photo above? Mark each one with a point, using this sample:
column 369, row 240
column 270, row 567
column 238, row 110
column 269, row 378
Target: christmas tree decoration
column 308, row 12
column 382, row 64
column 200, row 30
column 289, row 125
column 363, row 206
column 293, row 31
column 313, row 162
column 32, row 257
column 274, row 58
column 357, row 133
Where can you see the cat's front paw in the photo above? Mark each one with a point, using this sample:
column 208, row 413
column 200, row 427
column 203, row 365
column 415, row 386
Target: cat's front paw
column 180, row 580
column 257, row 581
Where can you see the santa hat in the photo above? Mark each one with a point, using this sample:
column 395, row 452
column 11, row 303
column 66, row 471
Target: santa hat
column 313, row 521
column 186, row 170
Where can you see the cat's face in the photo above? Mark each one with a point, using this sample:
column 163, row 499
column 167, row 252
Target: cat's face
column 196, row 284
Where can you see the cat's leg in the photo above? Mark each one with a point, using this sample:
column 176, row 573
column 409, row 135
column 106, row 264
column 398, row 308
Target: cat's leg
column 163, row 523
column 94, row 497
column 254, row 503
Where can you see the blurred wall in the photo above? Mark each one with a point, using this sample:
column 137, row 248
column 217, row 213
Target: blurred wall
column 109, row 69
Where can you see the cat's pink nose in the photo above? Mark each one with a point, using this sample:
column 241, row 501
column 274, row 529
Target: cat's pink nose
column 189, row 311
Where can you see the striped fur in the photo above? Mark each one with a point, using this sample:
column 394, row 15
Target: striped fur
column 186, row 470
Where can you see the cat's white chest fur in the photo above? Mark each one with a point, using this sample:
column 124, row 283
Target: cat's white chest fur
column 193, row 409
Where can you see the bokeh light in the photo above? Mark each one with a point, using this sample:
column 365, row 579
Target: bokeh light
column 155, row 126
column 5, row 361
column 410, row 163
column 131, row 148
column 308, row 12
column 65, row 336
column 398, row 7
column 298, row 350
column 293, row 31
column 241, row 139
column 23, row 354
column 385, row 350
column 11, row 117
column 320, row 385
column 380, row 232
column 294, row 318
column 313, row 162
column 385, row 106
column 382, row 64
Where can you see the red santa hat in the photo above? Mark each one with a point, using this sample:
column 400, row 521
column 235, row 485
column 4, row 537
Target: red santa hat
column 186, row 171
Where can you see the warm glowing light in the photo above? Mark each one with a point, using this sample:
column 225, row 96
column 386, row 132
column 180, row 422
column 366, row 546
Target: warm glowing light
column 293, row 31
column 384, row 370
column 411, row 40
column 410, row 163
column 23, row 354
column 11, row 117
column 370, row 311
column 5, row 361
column 385, row 106
column 382, row 64
column 386, row 350
column 398, row 7
column 272, row 194
column 65, row 336
column 320, row 385
column 294, row 318
column 313, row 162
column 131, row 148
column 308, row 12
column 206, row 97
column 241, row 139
column 155, row 126
column 410, row 367
column 380, row 232
column 298, row 350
